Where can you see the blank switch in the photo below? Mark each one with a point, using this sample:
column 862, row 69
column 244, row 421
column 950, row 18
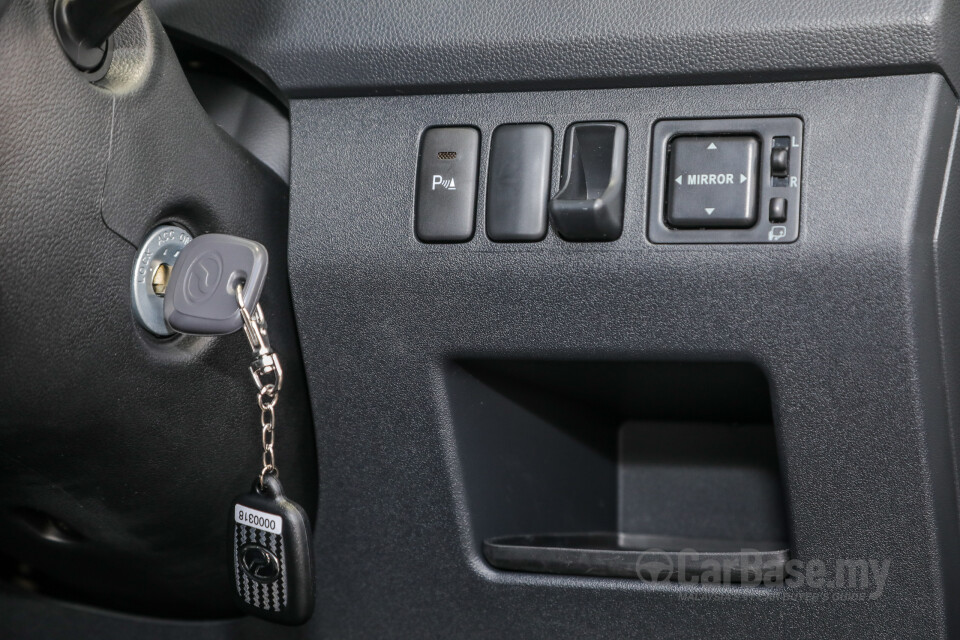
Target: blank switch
column 518, row 182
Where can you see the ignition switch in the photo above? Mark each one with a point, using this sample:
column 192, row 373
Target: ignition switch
column 151, row 269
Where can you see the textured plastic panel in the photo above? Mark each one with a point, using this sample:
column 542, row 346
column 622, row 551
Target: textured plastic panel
column 311, row 48
column 843, row 321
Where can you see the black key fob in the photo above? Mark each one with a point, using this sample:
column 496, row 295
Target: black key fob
column 272, row 556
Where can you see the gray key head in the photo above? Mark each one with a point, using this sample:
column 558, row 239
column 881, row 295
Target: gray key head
column 201, row 293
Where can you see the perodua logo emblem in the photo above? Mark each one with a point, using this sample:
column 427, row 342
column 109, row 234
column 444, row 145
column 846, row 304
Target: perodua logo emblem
column 258, row 563
column 203, row 277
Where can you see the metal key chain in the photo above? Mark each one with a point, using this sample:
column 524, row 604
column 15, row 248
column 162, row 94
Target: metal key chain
column 273, row 562
column 266, row 364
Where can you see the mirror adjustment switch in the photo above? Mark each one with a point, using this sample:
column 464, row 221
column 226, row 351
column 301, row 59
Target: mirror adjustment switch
column 447, row 184
column 737, row 180
column 712, row 182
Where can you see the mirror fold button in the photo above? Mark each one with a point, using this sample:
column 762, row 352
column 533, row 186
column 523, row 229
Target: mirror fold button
column 778, row 210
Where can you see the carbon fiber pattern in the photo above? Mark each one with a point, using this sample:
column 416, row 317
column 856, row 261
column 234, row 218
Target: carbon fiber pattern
column 269, row 596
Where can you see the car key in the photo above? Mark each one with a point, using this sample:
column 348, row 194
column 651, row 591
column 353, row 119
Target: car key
column 200, row 296
column 214, row 288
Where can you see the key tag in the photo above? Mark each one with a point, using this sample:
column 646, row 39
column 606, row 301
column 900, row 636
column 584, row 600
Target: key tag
column 272, row 557
column 213, row 285
column 271, row 554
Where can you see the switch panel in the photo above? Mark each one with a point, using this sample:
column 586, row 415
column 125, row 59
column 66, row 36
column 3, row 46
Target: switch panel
column 713, row 181
column 447, row 184
column 725, row 181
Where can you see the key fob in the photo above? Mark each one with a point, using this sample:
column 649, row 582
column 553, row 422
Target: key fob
column 201, row 291
column 272, row 557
